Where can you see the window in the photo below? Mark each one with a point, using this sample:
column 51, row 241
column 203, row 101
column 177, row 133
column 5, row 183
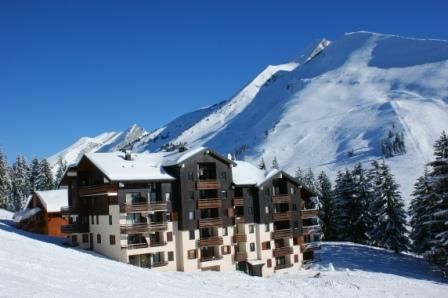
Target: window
column 112, row 239
column 225, row 231
column 294, row 207
column 292, row 190
column 167, row 196
column 192, row 195
column 93, row 221
column 132, row 197
column 98, row 238
column 85, row 238
column 110, row 219
column 295, row 241
column 296, row 224
column 266, row 209
column 191, row 215
column 252, row 246
column 192, row 254
column 170, row 256
column 74, row 239
column 251, row 229
column 266, row 245
column 169, row 236
column 192, row 235
column 266, row 228
column 269, row 263
column 190, row 176
column 157, row 257
column 296, row 258
column 225, row 250
column 97, row 219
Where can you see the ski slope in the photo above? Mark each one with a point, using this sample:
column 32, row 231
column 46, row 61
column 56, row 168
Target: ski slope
column 37, row 266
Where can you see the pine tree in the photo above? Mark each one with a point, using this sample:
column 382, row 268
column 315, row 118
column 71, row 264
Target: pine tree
column 420, row 211
column 44, row 179
column 300, row 175
column 275, row 165
column 360, row 216
column 21, row 188
column 327, row 210
column 262, row 164
column 343, row 197
column 34, row 172
column 5, row 182
column 438, row 182
column 387, row 211
column 62, row 167
column 309, row 180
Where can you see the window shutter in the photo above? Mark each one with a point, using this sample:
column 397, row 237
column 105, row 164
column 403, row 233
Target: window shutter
column 169, row 236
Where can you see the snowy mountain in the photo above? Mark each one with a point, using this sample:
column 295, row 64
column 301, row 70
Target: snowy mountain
column 36, row 265
column 330, row 108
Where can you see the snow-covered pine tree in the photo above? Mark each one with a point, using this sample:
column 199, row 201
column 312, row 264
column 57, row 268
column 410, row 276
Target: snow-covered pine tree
column 438, row 182
column 62, row 167
column 360, row 217
column 34, row 172
column 5, row 182
column 387, row 211
column 44, row 179
column 274, row 164
column 21, row 188
column 310, row 181
column 327, row 210
column 299, row 175
column 343, row 196
column 262, row 164
column 420, row 212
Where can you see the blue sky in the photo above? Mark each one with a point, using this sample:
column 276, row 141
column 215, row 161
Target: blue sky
column 78, row 68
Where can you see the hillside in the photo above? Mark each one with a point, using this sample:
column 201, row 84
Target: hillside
column 336, row 97
column 37, row 266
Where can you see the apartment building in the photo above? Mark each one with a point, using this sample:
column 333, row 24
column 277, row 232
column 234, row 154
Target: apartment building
column 189, row 211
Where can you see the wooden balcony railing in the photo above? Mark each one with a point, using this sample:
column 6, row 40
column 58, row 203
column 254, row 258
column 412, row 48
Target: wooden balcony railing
column 67, row 211
column 142, row 228
column 143, row 206
column 210, row 222
column 281, row 199
column 207, row 184
column 97, row 189
column 74, row 228
column 282, row 251
column 239, row 238
column 159, row 264
column 283, row 266
column 238, row 202
column 240, row 256
column 309, row 213
column 209, row 203
column 136, row 245
column 210, row 258
column 210, row 241
column 281, row 216
column 279, row 234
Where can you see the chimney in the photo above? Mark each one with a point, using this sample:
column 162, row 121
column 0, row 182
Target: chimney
column 128, row 155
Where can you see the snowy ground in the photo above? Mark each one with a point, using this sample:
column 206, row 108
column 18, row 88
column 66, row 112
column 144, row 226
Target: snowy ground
column 38, row 266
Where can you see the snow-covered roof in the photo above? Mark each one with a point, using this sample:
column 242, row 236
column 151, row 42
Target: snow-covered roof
column 24, row 214
column 268, row 176
column 142, row 167
column 245, row 173
column 53, row 200
column 183, row 156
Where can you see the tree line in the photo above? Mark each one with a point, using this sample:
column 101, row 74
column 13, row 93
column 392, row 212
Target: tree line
column 21, row 179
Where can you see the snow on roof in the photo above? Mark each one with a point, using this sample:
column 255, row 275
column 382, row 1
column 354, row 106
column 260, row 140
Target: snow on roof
column 268, row 176
column 143, row 166
column 245, row 173
column 256, row 262
column 24, row 214
column 183, row 157
column 53, row 200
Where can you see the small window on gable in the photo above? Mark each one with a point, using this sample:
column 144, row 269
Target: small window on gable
column 292, row 190
column 191, row 215
column 266, row 209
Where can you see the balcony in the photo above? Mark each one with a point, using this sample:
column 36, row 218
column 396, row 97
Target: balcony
column 210, row 258
column 281, row 199
column 309, row 213
column 210, row 241
column 85, row 191
column 280, row 234
column 239, row 238
column 210, row 222
column 238, row 202
column 283, row 266
column 309, row 246
column 74, row 228
column 282, row 251
column 156, row 243
column 67, row 211
column 209, row 203
column 240, row 256
column 143, row 206
column 307, row 230
column 281, row 216
column 207, row 184
column 136, row 245
column 159, row 264
column 142, row 228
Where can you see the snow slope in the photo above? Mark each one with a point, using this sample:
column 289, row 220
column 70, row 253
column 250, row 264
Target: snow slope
column 37, row 266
